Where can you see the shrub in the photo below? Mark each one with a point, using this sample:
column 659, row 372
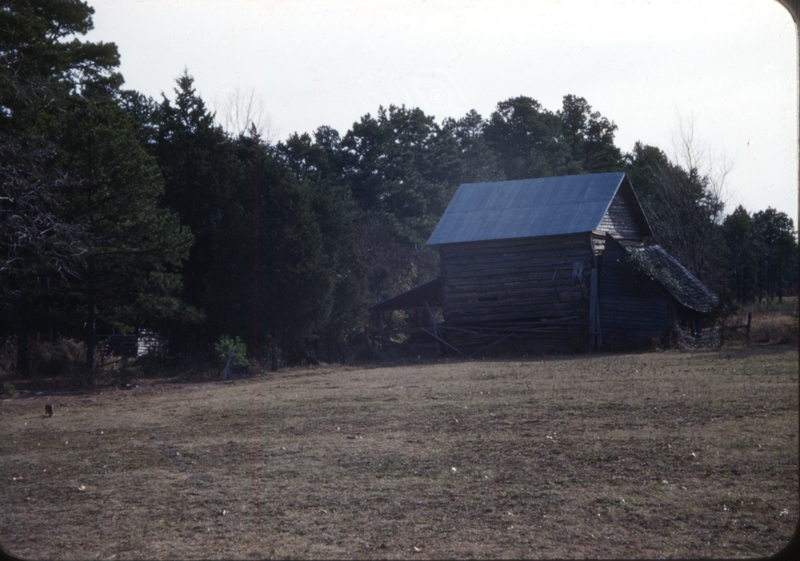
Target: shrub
column 222, row 349
column 57, row 357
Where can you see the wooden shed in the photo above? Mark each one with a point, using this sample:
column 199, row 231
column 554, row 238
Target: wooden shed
column 521, row 266
column 645, row 294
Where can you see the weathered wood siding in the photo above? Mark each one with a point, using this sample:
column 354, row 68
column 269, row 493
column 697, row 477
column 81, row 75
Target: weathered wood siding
column 634, row 311
column 527, row 285
column 620, row 220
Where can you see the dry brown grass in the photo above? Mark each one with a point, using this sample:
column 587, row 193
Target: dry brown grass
column 673, row 454
column 773, row 323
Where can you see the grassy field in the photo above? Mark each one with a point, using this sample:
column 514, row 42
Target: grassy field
column 670, row 454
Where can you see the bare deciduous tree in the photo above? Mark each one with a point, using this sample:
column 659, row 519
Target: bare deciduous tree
column 32, row 237
column 242, row 112
column 690, row 154
column 683, row 197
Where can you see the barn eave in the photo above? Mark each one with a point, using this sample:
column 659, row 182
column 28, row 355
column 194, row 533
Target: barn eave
column 427, row 294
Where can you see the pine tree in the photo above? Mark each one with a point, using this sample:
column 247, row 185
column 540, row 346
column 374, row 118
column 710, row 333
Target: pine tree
column 201, row 176
column 310, row 163
column 133, row 248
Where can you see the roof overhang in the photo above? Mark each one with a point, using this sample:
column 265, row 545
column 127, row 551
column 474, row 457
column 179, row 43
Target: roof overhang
column 427, row 294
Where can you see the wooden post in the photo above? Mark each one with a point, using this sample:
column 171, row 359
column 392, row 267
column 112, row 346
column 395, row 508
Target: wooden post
column 435, row 329
column 594, row 303
column 369, row 344
column 749, row 319
column 228, row 363
column 594, row 312
column 274, row 354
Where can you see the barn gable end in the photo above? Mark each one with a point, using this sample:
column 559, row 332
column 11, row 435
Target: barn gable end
column 624, row 218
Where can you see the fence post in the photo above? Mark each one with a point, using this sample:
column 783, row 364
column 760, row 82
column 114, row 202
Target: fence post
column 749, row 318
column 435, row 329
column 227, row 364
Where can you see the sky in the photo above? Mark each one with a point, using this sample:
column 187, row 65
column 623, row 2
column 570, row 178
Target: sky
column 723, row 73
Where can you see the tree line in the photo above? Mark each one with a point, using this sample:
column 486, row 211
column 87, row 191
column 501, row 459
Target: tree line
column 120, row 212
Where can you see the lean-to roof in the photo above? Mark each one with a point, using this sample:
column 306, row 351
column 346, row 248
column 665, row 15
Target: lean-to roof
column 678, row 280
column 426, row 294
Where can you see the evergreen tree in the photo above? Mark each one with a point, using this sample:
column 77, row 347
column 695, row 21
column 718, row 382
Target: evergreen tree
column 133, row 247
column 310, row 162
column 396, row 167
column 40, row 66
column 58, row 96
column 777, row 262
column 590, row 137
column 526, row 140
column 288, row 263
column 742, row 254
column 476, row 162
column 202, row 173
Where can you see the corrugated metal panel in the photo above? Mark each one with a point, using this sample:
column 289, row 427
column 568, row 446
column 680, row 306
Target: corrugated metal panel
column 526, row 208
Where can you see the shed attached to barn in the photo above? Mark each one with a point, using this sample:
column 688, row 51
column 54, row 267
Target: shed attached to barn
column 644, row 293
column 522, row 261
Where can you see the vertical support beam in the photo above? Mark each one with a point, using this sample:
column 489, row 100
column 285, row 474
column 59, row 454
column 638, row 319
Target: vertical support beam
column 435, row 329
column 749, row 319
column 274, row 355
column 596, row 339
column 594, row 312
column 367, row 341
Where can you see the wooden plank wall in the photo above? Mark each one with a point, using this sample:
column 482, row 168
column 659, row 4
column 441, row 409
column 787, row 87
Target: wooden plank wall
column 524, row 286
column 634, row 312
column 487, row 342
column 620, row 221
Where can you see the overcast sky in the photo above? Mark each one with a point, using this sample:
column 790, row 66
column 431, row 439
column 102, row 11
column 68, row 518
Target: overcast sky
column 727, row 68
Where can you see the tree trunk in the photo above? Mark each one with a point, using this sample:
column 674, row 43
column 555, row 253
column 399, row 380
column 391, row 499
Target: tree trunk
column 274, row 355
column 23, row 365
column 90, row 333
column 342, row 351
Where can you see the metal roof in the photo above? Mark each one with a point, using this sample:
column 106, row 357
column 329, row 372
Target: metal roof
column 527, row 208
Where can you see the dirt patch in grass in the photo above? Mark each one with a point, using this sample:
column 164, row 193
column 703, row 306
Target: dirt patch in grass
column 673, row 454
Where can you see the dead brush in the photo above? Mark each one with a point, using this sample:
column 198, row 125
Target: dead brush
column 8, row 354
column 774, row 323
column 51, row 358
